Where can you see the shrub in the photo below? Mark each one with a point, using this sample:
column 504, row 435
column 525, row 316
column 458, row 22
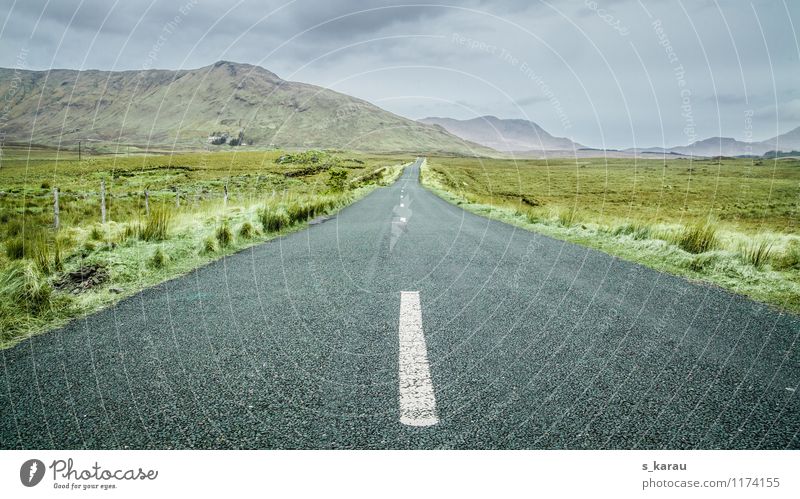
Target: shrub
column 224, row 235
column 337, row 179
column 698, row 238
column 22, row 283
column 156, row 226
column 246, row 231
column 273, row 219
column 756, row 252
column 159, row 260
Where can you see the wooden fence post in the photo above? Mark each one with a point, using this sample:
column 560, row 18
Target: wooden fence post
column 147, row 202
column 55, row 207
column 102, row 201
column 225, row 201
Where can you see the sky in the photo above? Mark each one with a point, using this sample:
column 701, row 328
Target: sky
column 606, row 73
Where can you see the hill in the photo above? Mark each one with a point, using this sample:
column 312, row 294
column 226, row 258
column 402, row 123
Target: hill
column 506, row 135
column 183, row 108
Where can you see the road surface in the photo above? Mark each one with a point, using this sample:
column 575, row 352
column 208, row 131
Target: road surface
column 406, row 322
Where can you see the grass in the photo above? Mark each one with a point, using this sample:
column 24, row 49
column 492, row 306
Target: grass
column 156, row 225
column 732, row 223
column 141, row 249
column 224, row 235
column 756, row 252
column 698, row 237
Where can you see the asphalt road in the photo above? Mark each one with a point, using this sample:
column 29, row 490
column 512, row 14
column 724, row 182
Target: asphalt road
column 528, row 342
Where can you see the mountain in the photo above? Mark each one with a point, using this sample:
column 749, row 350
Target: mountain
column 184, row 108
column 789, row 141
column 726, row 146
column 506, row 135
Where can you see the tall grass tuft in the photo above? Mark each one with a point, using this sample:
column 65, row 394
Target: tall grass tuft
column 96, row 234
column 23, row 283
column 209, row 246
column 789, row 259
column 637, row 230
column 568, row 217
column 247, row 231
column 273, row 218
column 156, row 225
column 299, row 211
column 40, row 252
column 224, row 235
column 15, row 248
column 756, row 252
column 159, row 260
column 698, row 238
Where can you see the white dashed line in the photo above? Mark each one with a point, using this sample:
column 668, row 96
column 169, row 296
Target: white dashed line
column 417, row 400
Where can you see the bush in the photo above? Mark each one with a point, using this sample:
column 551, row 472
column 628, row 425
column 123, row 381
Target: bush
column 756, row 252
column 247, row 231
column 224, row 235
column 159, row 260
column 273, row 219
column 337, row 179
column 698, row 238
column 156, row 226
column 22, row 283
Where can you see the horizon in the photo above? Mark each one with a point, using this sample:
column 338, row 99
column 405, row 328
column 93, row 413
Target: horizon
column 419, row 119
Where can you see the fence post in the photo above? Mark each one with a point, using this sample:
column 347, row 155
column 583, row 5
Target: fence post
column 225, row 201
column 55, row 207
column 147, row 202
column 102, row 201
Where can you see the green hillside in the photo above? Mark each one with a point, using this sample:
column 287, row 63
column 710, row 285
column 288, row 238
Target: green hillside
column 163, row 108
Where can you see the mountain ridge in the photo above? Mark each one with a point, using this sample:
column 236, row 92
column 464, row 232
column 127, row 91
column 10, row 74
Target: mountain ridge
column 504, row 134
column 183, row 108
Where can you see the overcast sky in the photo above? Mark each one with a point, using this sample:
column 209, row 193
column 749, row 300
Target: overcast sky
column 614, row 73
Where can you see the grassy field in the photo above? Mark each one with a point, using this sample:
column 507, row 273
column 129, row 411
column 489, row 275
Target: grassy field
column 730, row 222
column 165, row 215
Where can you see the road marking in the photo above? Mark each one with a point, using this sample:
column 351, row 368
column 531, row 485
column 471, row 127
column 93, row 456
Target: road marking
column 417, row 400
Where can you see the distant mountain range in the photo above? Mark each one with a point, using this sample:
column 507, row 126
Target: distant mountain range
column 526, row 137
column 726, row 146
column 504, row 135
column 187, row 108
column 197, row 108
